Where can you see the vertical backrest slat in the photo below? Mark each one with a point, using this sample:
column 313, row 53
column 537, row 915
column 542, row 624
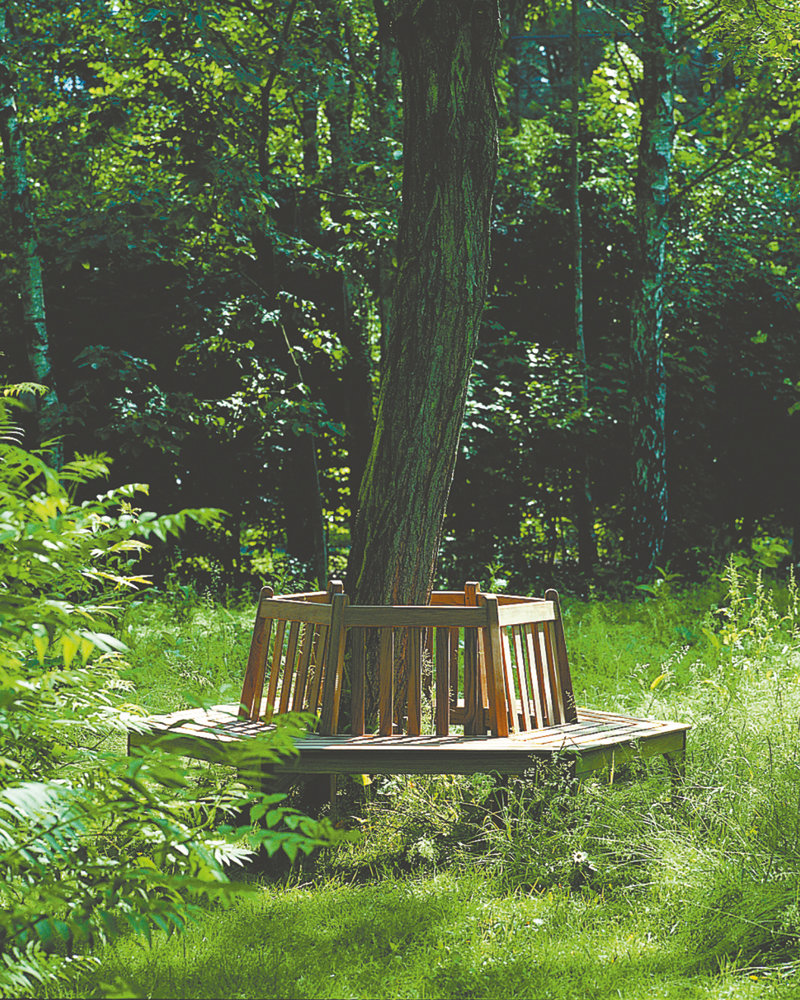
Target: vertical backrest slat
column 321, row 654
column 542, row 677
column 334, row 665
column 493, row 649
column 473, row 701
column 552, row 674
column 414, row 659
column 298, row 695
column 275, row 667
column 386, row 682
column 472, row 595
column 288, row 666
column 317, row 669
column 508, row 680
column 562, row 661
column 455, row 637
column 427, row 664
column 442, row 682
column 305, row 696
column 520, row 674
column 531, row 645
column 253, row 684
column 358, row 680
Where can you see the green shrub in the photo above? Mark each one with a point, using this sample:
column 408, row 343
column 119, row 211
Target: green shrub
column 93, row 843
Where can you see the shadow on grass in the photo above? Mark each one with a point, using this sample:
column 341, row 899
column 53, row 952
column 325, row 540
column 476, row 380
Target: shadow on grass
column 443, row 936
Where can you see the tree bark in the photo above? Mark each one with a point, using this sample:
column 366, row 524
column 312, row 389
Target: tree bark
column 647, row 376
column 23, row 226
column 447, row 54
column 356, row 375
column 587, row 548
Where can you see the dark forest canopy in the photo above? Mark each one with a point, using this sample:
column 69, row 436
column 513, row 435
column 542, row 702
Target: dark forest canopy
column 214, row 192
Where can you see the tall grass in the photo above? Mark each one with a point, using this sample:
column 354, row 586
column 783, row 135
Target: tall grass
column 473, row 887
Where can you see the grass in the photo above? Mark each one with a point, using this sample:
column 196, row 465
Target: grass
column 462, row 888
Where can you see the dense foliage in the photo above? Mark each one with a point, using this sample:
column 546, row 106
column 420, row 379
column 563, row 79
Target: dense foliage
column 215, row 192
column 93, row 843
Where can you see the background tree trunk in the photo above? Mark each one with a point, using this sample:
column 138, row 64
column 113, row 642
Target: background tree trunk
column 647, row 377
column 34, row 321
column 587, row 548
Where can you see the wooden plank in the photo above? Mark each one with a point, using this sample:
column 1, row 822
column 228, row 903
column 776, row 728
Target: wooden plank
column 455, row 640
column 414, row 682
column 473, row 702
column 386, row 682
column 521, row 676
column 472, row 591
column 297, row 611
column 542, row 677
column 332, row 683
column 531, row 640
column 562, row 660
column 524, row 614
column 288, row 666
column 498, row 715
column 358, row 680
column 321, row 653
column 504, row 599
column 508, row 680
column 442, row 681
column 413, row 616
column 552, row 673
column 453, row 598
column 317, row 668
column 275, row 667
column 427, row 664
column 314, row 596
column 253, row 684
column 218, row 735
column 298, row 696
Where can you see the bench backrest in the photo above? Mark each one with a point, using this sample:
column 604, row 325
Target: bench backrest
column 296, row 656
column 482, row 661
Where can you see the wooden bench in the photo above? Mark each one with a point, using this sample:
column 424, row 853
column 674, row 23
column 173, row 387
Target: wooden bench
column 489, row 689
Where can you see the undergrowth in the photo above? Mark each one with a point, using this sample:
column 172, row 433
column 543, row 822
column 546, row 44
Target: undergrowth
column 471, row 886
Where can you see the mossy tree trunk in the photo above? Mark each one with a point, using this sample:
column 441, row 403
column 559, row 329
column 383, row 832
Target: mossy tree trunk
column 648, row 377
column 587, row 546
column 28, row 263
column 447, row 52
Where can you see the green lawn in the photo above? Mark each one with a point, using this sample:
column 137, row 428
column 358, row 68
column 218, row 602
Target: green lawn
column 456, row 888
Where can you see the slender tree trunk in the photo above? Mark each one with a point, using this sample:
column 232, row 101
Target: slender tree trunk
column 386, row 118
column 520, row 70
column 447, row 54
column 587, row 549
column 356, row 375
column 648, row 379
column 23, row 225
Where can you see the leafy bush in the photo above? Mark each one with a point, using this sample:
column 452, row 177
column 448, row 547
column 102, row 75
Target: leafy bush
column 92, row 842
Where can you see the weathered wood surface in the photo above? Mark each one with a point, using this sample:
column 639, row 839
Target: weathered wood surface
column 482, row 662
column 588, row 744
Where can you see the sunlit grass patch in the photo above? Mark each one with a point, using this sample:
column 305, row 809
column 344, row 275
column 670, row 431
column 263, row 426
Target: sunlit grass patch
column 450, row 935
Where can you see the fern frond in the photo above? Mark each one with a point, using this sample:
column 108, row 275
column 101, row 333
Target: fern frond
column 23, row 389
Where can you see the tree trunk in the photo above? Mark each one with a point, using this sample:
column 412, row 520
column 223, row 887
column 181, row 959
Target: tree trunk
column 386, row 118
column 648, row 380
column 520, row 70
column 356, row 375
column 587, row 548
column 34, row 321
column 447, row 56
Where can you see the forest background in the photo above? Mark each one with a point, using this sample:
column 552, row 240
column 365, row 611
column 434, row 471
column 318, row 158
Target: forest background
column 199, row 261
column 208, row 197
